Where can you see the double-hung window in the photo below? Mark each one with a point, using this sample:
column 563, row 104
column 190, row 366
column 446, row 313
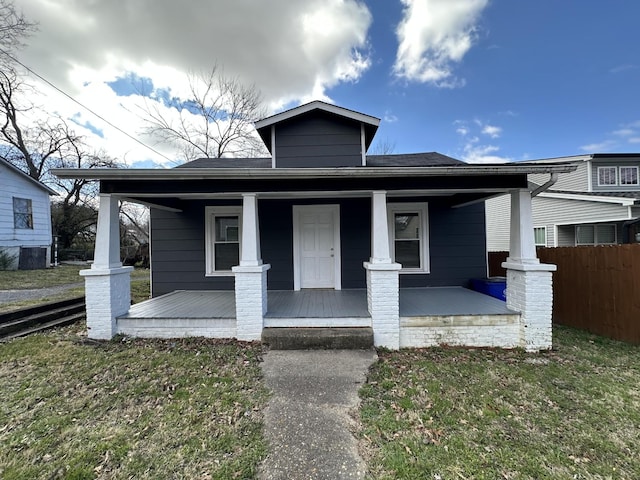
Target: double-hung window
column 222, row 239
column 22, row 213
column 408, row 236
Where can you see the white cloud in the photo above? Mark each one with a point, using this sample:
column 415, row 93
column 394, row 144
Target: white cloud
column 389, row 117
column 291, row 51
column 473, row 150
column 626, row 134
column 492, row 131
column 433, row 35
column 474, row 153
column 598, row 147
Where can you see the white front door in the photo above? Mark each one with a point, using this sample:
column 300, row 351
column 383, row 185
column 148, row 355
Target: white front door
column 316, row 246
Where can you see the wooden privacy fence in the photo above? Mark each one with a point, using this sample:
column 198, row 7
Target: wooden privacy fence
column 595, row 288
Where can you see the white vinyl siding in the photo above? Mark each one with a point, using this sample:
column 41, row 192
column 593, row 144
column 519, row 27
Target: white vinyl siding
column 577, row 181
column 498, row 215
column 553, row 213
column 12, row 184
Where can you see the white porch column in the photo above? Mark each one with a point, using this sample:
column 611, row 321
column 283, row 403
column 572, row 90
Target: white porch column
column 107, row 283
column 529, row 282
column 522, row 247
column 383, row 286
column 250, row 275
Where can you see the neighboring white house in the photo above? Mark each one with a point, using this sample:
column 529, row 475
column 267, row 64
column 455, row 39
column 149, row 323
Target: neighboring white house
column 25, row 215
column 597, row 204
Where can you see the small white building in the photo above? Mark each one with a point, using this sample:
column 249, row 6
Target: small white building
column 25, row 217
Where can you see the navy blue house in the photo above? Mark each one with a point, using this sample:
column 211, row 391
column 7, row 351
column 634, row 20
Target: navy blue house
column 319, row 215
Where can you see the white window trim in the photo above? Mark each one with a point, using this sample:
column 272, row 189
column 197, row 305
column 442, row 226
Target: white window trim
column 423, row 211
column 628, row 184
column 210, row 235
column 615, row 169
column 29, row 213
column 544, row 227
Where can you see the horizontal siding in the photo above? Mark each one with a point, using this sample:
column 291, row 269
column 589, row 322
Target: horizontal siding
column 178, row 251
column 563, row 211
column 548, row 212
column 318, row 140
column 577, row 181
column 498, row 212
column 456, row 241
column 613, row 162
column 14, row 185
column 457, row 247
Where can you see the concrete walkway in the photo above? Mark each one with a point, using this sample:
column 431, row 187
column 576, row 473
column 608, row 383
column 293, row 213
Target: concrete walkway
column 308, row 419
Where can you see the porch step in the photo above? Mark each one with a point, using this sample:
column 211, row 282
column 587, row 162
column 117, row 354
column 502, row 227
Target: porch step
column 338, row 338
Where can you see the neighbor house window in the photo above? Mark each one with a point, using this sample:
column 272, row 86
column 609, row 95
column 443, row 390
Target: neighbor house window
column 223, row 239
column 540, row 236
column 22, row 213
column 607, row 176
column 628, row 175
column 604, row 234
column 408, row 235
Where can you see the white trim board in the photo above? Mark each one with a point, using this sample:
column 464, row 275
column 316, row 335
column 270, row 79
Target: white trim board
column 590, row 198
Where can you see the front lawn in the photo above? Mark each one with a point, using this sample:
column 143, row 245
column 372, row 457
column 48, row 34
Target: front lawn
column 58, row 276
column 129, row 408
column 450, row 413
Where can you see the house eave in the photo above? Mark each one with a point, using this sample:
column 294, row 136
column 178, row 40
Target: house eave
column 317, row 105
column 306, row 173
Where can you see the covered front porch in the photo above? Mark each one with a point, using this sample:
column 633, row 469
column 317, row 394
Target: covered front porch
column 427, row 315
column 368, row 266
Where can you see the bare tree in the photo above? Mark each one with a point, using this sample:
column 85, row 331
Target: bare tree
column 216, row 121
column 384, row 147
column 31, row 147
column 14, row 29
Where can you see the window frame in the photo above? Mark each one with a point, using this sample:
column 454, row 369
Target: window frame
column 615, row 176
column 595, row 234
column 422, row 209
column 544, row 229
column 211, row 212
column 633, row 167
column 28, row 215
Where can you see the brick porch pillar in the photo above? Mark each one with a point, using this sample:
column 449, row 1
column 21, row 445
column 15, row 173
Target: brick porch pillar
column 383, row 285
column 107, row 282
column 250, row 275
column 529, row 282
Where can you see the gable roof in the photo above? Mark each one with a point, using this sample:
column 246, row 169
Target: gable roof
column 19, row 172
column 370, row 123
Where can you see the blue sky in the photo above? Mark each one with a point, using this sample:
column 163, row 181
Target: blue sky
column 479, row 80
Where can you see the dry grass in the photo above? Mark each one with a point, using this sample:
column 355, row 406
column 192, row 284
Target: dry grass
column 72, row 408
column 573, row 413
